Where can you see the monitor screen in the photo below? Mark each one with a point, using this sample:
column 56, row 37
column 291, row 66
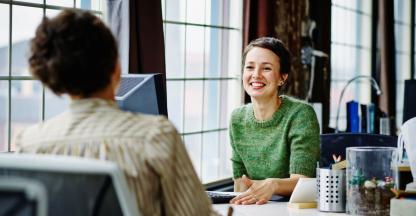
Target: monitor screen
column 72, row 185
column 409, row 103
column 74, row 193
column 19, row 196
column 142, row 93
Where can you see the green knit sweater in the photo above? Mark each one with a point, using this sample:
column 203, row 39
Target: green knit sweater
column 286, row 144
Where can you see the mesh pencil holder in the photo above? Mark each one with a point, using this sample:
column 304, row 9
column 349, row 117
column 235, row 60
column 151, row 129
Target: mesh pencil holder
column 331, row 190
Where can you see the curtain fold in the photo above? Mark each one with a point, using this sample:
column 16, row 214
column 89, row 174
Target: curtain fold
column 258, row 21
column 118, row 20
column 289, row 17
column 147, row 49
column 386, row 72
column 281, row 19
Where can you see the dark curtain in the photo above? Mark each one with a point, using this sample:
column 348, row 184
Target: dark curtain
column 281, row 19
column 289, row 17
column 258, row 22
column 138, row 28
column 147, row 49
column 386, row 70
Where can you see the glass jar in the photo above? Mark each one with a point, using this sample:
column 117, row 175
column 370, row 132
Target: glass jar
column 371, row 173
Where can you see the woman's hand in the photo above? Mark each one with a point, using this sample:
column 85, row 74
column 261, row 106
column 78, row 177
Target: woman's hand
column 259, row 191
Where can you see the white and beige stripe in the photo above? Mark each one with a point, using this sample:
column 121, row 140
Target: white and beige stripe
column 147, row 148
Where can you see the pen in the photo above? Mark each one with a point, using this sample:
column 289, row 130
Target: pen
column 230, row 211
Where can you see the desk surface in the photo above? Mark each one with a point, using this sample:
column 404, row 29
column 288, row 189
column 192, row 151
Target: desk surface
column 271, row 208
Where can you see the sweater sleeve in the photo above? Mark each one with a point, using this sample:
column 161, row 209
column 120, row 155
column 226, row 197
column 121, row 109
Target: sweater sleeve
column 237, row 163
column 304, row 142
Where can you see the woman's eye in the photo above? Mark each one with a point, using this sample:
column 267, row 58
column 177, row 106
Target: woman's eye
column 267, row 68
column 249, row 67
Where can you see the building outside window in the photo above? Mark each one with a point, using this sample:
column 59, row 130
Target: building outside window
column 350, row 55
column 24, row 101
column 402, row 38
column 203, row 68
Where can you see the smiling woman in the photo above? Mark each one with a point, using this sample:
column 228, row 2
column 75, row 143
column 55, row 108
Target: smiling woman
column 275, row 139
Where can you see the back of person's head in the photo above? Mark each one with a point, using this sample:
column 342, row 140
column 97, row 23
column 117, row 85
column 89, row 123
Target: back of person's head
column 276, row 46
column 73, row 53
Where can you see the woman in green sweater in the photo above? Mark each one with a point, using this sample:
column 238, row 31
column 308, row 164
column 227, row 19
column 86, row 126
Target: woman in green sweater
column 275, row 139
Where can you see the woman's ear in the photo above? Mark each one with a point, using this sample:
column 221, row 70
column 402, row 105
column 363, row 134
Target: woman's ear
column 284, row 77
column 116, row 77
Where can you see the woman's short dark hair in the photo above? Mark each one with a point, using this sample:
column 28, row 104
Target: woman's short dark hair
column 276, row 46
column 73, row 53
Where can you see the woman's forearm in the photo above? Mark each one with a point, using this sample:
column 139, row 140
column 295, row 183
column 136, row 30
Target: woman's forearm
column 239, row 186
column 285, row 186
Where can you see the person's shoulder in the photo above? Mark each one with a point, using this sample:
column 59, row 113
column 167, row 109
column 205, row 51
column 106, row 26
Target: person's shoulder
column 35, row 134
column 145, row 125
column 297, row 105
column 239, row 112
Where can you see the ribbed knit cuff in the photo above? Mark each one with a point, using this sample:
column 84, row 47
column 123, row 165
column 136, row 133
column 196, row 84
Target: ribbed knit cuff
column 303, row 166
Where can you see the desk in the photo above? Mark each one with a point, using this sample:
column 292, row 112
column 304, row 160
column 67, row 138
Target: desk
column 270, row 209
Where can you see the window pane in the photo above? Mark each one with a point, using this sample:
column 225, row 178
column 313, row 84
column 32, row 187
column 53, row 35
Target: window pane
column 97, row 5
column 31, row 1
column 402, row 34
column 61, row 3
column 225, row 168
column 232, row 41
column 194, row 148
column 164, row 9
column 402, row 10
column 50, row 13
column 24, row 22
column 212, row 105
column 197, row 54
column 210, row 156
column 175, row 10
column 54, row 104
column 193, row 106
column 402, row 66
column 194, row 51
column 175, row 97
column 230, row 98
column 214, row 12
column 26, row 106
column 195, row 11
column 175, row 50
column 213, row 52
column 4, row 117
column 4, row 39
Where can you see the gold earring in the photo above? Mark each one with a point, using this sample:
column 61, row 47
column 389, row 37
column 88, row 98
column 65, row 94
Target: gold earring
column 281, row 83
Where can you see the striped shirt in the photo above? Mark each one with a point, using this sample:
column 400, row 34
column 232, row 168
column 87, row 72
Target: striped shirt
column 147, row 148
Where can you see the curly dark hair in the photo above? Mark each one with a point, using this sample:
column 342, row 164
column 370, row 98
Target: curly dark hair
column 73, row 53
column 276, row 46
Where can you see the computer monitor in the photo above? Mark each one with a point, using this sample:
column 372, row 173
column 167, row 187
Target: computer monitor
column 409, row 102
column 22, row 197
column 75, row 186
column 142, row 93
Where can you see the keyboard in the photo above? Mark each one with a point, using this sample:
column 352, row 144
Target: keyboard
column 218, row 197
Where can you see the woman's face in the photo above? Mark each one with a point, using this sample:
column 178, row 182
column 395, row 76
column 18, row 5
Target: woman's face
column 261, row 76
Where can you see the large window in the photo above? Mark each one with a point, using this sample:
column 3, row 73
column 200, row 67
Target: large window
column 203, row 57
column 402, row 37
column 351, row 54
column 24, row 101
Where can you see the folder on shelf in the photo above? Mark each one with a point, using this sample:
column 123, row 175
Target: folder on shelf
column 353, row 120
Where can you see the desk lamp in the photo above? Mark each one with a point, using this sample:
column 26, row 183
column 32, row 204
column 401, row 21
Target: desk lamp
column 373, row 84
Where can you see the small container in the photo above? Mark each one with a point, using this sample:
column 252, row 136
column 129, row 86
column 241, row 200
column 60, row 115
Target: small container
column 371, row 173
column 331, row 190
column 385, row 125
